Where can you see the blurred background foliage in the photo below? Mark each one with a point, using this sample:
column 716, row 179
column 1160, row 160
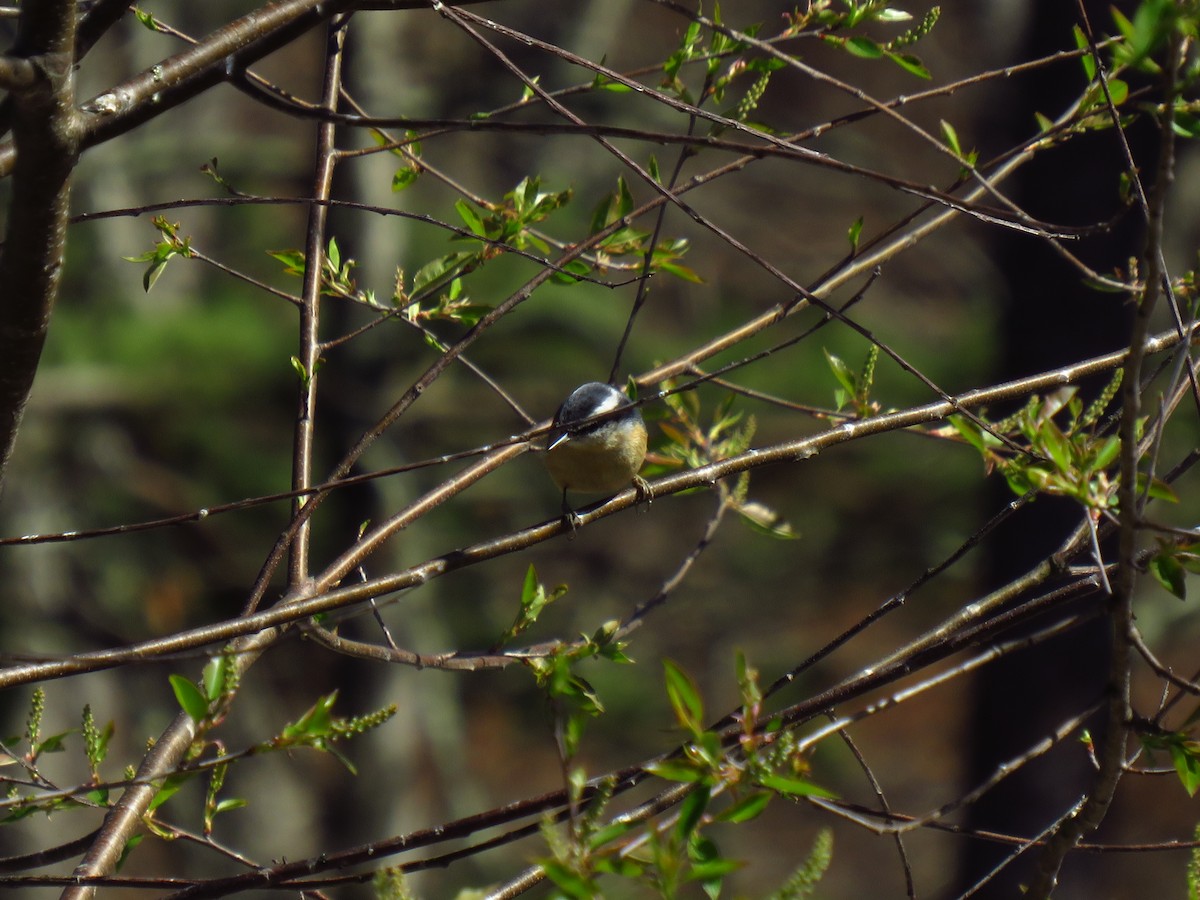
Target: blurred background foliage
column 151, row 404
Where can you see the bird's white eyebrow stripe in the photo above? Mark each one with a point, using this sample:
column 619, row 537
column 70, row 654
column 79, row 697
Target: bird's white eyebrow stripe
column 611, row 402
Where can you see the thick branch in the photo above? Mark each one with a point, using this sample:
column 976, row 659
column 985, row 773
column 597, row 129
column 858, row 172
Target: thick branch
column 44, row 131
column 178, row 79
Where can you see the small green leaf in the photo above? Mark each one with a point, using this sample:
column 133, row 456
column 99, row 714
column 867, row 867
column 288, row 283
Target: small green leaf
column 603, row 83
column 1168, row 572
column 1056, row 445
column 316, row 722
column 675, row 770
column 53, row 744
column 572, row 885
column 293, row 260
column 681, row 272
column 652, row 168
column 214, row 675
column 684, row 697
column 99, row 796
column 438, row 269
column 168, row 790
column 793, row 787
column 713, row 870
column 747, row 808
column 969, row 432
column 691, row 811
column 529, row 587
column 1187, row 763
column 572, row 273
column 854, row 233
column 1088, row 61
column 864, row 47
column 1104, row 457
column 404, row 177
column 467, row 213
column 189, row 697
column 911, row 64
column 950, row 135
column 842, row 373
column 1158, row 489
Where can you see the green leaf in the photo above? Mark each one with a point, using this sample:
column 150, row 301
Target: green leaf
column 1158, row 489
column 1088, row 61
column 747, row 808
column 1168, row 572
column 147, row 19
column 168, row 790
column 608, row 833
column 911, row 64
column 892, row 15
column 842, row 373
column 864, row 47
column 316, row 722
column 793, row 787
column 603, row 83
column 691, row 811
column 438, row 269
column 951, row 137
column 467, row 213
column 194, row 703
column 675, row 770
column 293, row 260
column 621, row 866
column 711, row 869
column 573, row 272
column 969, row 432
column 404, row 177
column 684, row 697
column 681, row 272
column 153, row 272
column 1187, row 763
column 214, row 675
column 1056, row 445
column 572, row 885
column 529, row 587
column 854, row 233
column 54, row 743
column 1104, row 457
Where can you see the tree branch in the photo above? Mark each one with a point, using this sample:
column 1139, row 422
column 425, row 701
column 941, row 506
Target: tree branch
column 45, row 128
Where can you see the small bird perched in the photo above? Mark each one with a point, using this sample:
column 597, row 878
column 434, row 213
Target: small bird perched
column 600, row 456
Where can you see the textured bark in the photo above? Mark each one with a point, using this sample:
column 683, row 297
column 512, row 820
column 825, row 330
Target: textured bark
column 44, row 128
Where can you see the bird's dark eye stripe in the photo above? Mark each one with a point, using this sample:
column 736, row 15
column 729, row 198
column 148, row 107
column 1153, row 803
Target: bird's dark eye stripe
column 595, row 426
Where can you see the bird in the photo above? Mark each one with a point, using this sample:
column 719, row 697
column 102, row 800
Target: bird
column 596, row 443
